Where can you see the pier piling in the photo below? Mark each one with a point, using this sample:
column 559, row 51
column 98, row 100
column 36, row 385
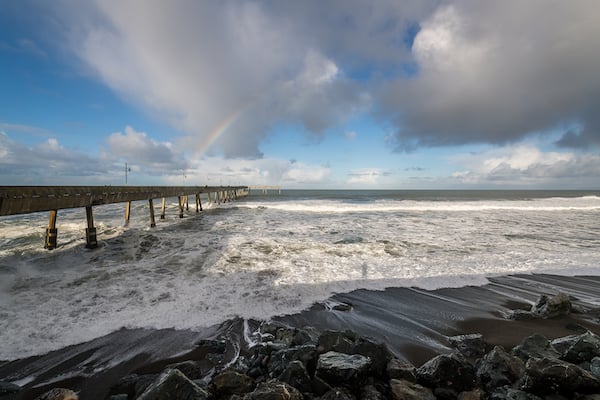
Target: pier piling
column 91, row 242
column 51, row 232
column 127, row 212
column 152, row 221
column 180, row 201
column 162, row 208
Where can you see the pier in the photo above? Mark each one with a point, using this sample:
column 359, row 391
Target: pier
column 265, row 189
column 16, row 200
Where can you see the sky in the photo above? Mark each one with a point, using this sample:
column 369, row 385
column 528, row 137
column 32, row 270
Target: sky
column 338, row 94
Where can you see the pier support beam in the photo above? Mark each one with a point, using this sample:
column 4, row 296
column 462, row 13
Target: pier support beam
column 91, row 241
column 198, row 202
column 180, row 202
column 208, row 195
column 162, row 208
column 127, row 211
column 187, row 203
column 51, row 232
column 152, row 221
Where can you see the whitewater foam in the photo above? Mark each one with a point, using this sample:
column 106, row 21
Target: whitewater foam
column 260, row 259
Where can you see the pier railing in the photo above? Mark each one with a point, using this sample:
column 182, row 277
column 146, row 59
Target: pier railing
column 28, row 199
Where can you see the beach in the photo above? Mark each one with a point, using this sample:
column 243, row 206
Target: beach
column 414, row 323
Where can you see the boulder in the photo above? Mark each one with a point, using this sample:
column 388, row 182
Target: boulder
column 398, row 369
column 370, row 392
column 339, row 368
column 595, row 366
column 133, row 385
column 193, row 369
column 342, row 342
column 8, row 388
column 172, row 384
column 447, row 371
column 477, row 394
column 508, row 393
column 349, row 342
column 296, row 375
column 338, row 393
column 498, row 368
column 404, row 390
column 232, row 382
column 536, row 346
column 274, row 390
column 471, row 345
column 279, row 360
column 550, row 375
column 58, row 394
column 552, row 307
column 578, row 348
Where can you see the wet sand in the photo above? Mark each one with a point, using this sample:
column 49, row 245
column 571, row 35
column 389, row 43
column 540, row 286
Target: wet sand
column 415, row 324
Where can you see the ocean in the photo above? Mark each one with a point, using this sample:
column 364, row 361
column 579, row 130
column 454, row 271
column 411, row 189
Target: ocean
column 270, row 255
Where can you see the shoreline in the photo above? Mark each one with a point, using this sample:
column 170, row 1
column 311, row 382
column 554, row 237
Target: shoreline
column 414, row 323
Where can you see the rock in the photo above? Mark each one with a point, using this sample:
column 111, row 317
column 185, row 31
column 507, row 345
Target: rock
column 535, row 346
column 274, row 390
column 296, row 375
column 133, row 385
column 578, row 348
column 342, row 342
column 338, row 368
column 595, row 366
column 370, row 392
column 471, row 345
column 121, row 396
column 349, row 342
column 398, row 369
column 552, row 307
column 471, row 395
column 508, row 393
column 279, row 360
column 520, row 315
column 378, row 353
column 405, row 390
column 8, row 388
column 172, row 384
column 193, row 369
column 498, row 368
column 546, row 375
column 319, row 386
column 338, row 394
column 232, row 382
column 447, row 371
column 58, row 394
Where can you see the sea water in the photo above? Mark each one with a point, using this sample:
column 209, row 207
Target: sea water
column 264, row 256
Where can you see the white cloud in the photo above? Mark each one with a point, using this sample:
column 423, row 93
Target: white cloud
column 526, row 165
column 137, row 148
column 367, row 176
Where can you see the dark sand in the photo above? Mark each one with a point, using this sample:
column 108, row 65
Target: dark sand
column 414, row 323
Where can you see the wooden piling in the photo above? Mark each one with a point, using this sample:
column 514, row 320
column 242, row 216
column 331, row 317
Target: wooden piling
column 127, row 211
column 208, row 195
column 187, row 203
column 91, row 241
column 162, row 208
column 51, row 232
column 180, row 202
column 152, row 221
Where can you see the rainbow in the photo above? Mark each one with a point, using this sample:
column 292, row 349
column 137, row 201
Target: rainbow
column 218, row 131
